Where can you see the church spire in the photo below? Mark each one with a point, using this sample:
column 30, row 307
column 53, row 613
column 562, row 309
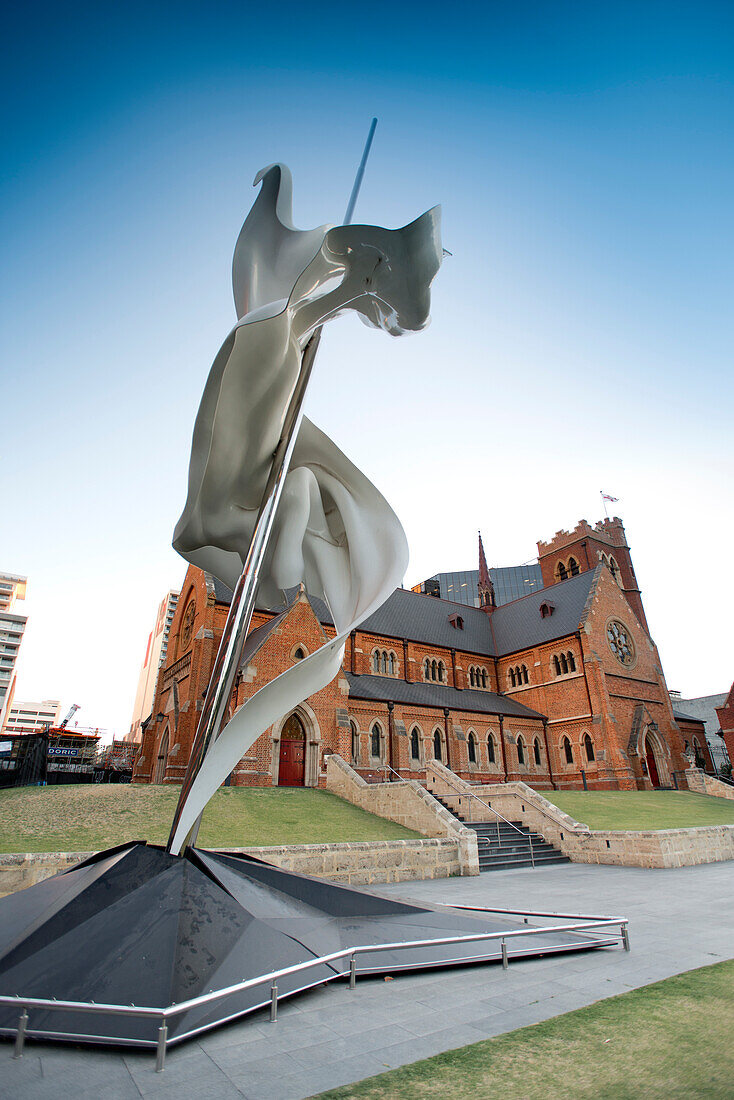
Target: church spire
column 486, row 588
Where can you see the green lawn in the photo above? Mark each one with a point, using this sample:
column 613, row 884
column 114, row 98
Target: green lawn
column 89, row 817
column 667, row 1041
column 643, row 810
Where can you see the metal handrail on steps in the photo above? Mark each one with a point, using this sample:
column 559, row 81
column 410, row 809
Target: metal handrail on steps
column 497, row 814
column 164, row 1014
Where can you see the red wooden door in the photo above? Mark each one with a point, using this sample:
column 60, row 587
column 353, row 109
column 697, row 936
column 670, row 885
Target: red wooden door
column 652, row 767
column 292, row 769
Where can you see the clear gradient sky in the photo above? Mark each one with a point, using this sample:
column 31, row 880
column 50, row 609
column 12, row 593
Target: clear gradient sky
column 582, row 331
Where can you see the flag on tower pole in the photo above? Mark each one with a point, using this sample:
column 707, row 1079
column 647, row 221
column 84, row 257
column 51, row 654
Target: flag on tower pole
column 606, row 497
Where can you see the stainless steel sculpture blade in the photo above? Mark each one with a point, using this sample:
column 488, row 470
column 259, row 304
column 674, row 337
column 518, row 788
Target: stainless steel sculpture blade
column 322, row 523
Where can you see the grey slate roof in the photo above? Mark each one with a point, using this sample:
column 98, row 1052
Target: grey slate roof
column 511, row 627
column 687, row 717
column 386, row 689
column 518, row 625
column 259, row 636
column 426, row 619
column 222, row 594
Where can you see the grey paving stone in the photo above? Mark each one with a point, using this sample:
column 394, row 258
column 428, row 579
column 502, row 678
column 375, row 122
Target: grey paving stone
column 679, row 920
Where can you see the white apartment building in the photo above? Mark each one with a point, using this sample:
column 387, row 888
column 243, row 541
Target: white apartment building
column 33, row 717
column 12, row 626
column 155, row 655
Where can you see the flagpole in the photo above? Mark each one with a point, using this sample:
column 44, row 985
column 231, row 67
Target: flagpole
column 604, row 503
column 242, row 606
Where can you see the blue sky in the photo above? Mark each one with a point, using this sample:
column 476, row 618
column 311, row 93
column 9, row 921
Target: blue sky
column 581, row 334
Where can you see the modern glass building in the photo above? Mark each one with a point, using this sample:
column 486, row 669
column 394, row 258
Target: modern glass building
column 511, row 583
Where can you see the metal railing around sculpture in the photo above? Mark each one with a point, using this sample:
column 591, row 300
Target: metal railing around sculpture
column 582, row 924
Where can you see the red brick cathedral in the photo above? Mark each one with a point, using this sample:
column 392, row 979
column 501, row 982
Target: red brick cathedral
column 561, row 688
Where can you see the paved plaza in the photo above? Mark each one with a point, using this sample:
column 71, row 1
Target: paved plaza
column 679, row 919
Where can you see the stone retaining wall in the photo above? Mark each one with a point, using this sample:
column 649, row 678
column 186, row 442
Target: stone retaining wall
column 627, row 848
column 19, row 870
column 408, row 804
column 358, row 864
column 364, row 862
column 701, row 783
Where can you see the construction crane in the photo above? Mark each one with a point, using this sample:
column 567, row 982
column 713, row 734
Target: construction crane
column 72, row 711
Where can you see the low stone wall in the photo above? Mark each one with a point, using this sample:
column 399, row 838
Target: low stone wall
column 701, row 783
column 627, row 848
column 407, row 803
column 357, row 863
column 18, row 870
column 364, row 862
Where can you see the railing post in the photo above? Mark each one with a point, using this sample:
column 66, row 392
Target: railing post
column 505, row 960
column 352, row 972
column 626, row 937
column 532, row 854
column 273, row 1003
column 160, row 1057
column 20, row 1034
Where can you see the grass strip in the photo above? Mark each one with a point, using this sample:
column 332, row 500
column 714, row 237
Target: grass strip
column 664, row 1041
column 643, row 809
column 88, row 817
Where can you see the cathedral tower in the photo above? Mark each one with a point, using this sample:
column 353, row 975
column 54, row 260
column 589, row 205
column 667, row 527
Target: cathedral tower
column 571, row 552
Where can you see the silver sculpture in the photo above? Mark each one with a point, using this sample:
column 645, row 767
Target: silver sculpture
column 272, row 501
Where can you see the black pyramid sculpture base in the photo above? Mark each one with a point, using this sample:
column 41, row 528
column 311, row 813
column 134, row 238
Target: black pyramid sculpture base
column 136, row 926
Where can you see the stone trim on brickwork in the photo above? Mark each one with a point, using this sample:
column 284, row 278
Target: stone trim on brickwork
column 627, row 848
column 408, row 804
column 702, row 783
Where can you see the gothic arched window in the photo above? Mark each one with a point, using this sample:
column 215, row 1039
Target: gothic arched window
column 556, row 665
column 472, row 747
column 355, row 742
column 573, row 567
column 520, row 751
column 568, row 751
column 437, row 744
column 588, row 747
column 375, row 741
column 536, row 751
column 571, row 661
column 376, row 661
column 490, row 749
column 415, row 752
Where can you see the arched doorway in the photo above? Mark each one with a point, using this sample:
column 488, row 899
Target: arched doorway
column 652, row 765
column 160, row 764
column 292, row 768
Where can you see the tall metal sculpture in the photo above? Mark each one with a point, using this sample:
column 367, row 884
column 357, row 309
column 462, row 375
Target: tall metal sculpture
column 272, row 502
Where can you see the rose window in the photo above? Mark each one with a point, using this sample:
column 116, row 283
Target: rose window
column 620, row 643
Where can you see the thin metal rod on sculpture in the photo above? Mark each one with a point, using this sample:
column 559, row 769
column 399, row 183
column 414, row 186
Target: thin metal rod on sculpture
column 244, row 596
column 360, row 175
